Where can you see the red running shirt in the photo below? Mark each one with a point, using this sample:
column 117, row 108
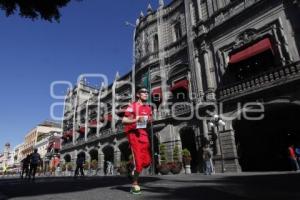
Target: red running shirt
column 292, row 152
column 136, row 109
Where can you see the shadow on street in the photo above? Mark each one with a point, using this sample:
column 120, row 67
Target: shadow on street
column 195, row 186
column 53, row 185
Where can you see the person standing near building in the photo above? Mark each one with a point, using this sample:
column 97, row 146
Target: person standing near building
column 135, row 120
column 25, row 167
column 110, row 168
column 79, row 165
column 207, row 160
column 293, row 158
column 297, row 151
column 4, row 169
column 35, row 160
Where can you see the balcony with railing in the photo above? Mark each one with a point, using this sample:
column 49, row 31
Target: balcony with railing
column 273, row 77
column 175, row 110
column 149, row 58
column 177, row 45
column 66, row 146
column 80, row 141
column 92, row 137
column 181, row 109
column 106, row 132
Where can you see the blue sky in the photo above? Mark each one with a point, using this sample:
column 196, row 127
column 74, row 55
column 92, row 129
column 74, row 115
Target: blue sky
column 91, row 38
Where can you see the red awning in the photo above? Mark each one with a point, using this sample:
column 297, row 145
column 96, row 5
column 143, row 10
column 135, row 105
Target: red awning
column 182, row 84
column 157, row 94
column 257, row 48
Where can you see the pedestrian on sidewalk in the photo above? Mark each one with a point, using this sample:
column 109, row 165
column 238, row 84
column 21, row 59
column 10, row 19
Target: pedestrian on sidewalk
column 79, row 165
column 293, row 158
column 4, row 169
column 35, row 160
column 25, row 167
column 207, row 159
column 297, row 151
column 110, row 168
column 136, row 118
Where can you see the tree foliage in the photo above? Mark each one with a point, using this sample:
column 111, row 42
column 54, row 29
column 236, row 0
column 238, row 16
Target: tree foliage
column 176, row 153
column 162, row 152
column 34, row 9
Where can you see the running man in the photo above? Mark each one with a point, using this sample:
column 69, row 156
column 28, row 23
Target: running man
column 135, row 120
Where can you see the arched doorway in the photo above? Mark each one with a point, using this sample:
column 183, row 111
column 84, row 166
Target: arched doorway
column 81, row 154
column 262, row 145
column 125, row 151
column 188, row 141
column 67, row 158
column 93, row 154
column 108, row 152
column 155, row 152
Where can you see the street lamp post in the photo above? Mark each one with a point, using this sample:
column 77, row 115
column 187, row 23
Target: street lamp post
column 216, row 122
column 133, row 58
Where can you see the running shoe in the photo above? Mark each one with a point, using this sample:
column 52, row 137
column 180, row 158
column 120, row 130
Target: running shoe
column 135, row 189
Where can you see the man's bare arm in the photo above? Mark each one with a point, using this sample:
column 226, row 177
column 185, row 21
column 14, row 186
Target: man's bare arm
column 127, row 120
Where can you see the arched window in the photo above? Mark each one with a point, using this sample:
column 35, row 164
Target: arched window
column 177, row 31
column 155, row 43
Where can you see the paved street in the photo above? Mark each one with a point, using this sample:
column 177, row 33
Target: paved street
column 196, row 186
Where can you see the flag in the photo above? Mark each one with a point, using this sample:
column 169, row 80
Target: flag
column 146, row 83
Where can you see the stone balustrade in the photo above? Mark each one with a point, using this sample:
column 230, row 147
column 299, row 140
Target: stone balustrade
column 263, row 80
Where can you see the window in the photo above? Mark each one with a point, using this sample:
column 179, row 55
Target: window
column 215, row 5
column 177, row 31
column 199, row 9
column 193, row 16
column 155, row 43
column 250, row 61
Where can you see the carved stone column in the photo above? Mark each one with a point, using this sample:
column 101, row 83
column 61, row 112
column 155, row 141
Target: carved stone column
column 117, row 160
column 101, row 162
column 199, row 9
column 198, row 74
column 205, row 128
column 73, row 158
column 210, row 95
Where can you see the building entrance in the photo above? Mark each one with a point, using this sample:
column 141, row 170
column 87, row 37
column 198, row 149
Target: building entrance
column 263, row 145
column 188, row 141
column 108, row 159
column 125, row 151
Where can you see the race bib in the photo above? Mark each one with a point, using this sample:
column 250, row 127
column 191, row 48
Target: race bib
column 142, row 123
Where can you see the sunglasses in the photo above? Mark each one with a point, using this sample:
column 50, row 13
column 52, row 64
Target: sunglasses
column 143, row 91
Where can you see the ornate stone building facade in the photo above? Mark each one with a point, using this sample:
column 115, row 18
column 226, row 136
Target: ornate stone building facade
column 235, row 58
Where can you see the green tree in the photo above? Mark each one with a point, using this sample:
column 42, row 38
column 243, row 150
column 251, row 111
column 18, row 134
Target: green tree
column 176, row 153
column 186, row 156
column 94, row 164
column 162, row 153
column 34, row 9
